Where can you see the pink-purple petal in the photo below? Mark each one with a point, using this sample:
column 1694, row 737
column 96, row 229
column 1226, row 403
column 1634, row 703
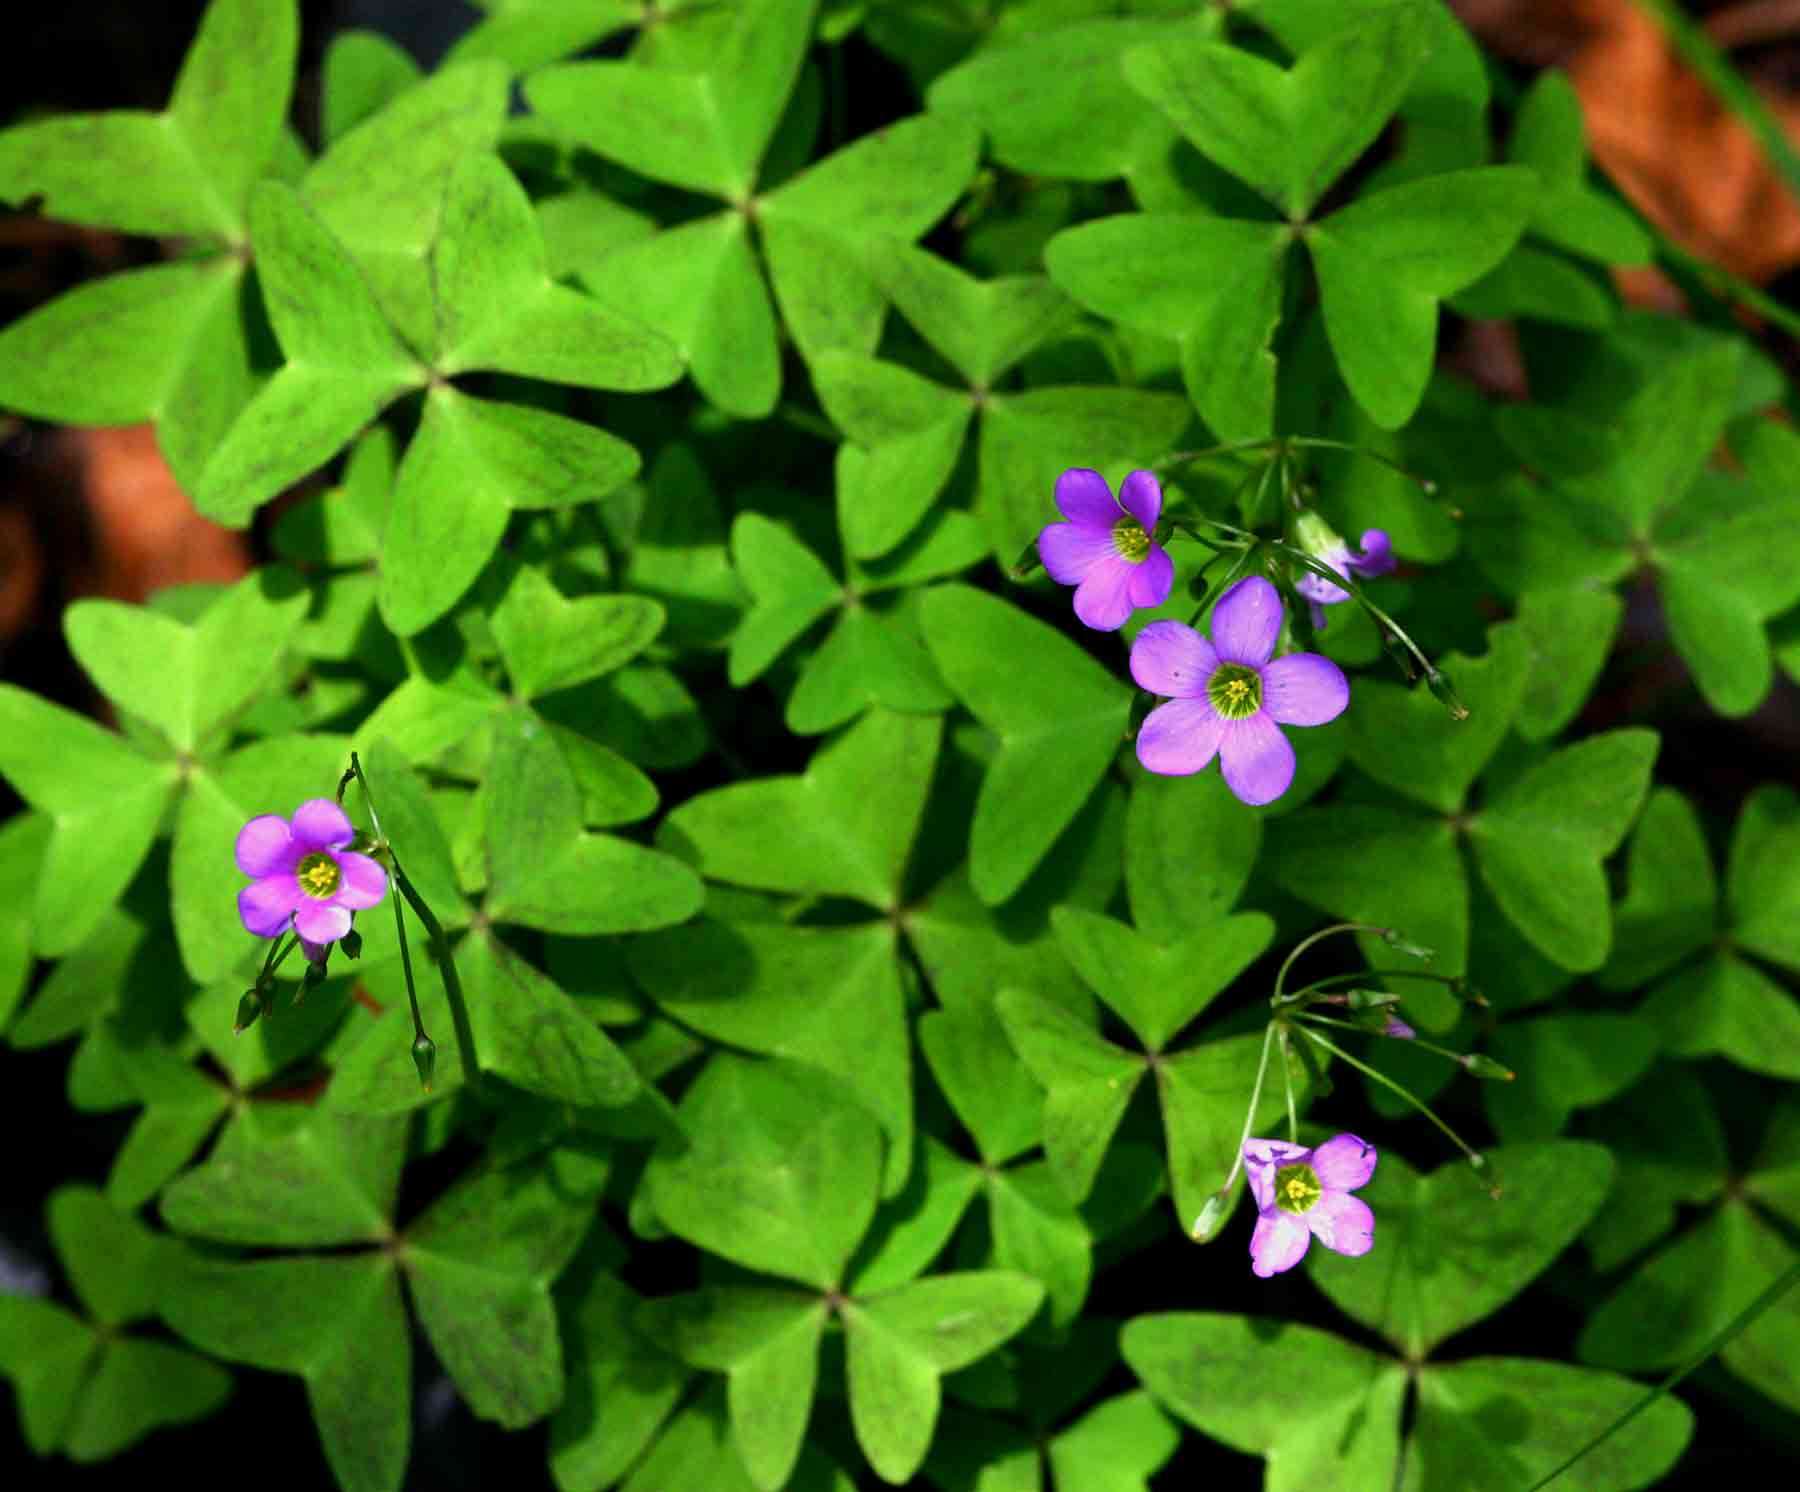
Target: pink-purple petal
column 1140, row 495
column 1152, row 578
column 1344, row 1163
column 1262, row 1159
column 321, row 921
column 1247, row 621
column 265, row 845
column 1084, row 498
column 1173, row 660
column 1304, row 689
column 1103, row 599
column 1278, row 1244
column 1069, row 551
column 265, row 905
column 1179, row 738
column 1256, row 759
column 320, row 824
column 364, row 882
column 1343, row 1223
column 1377, row 557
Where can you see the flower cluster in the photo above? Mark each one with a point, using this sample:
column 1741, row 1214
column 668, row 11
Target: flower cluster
column 304, row 876
column 1228, row 696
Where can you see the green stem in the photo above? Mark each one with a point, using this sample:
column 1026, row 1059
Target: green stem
column 440, row 953
column 1723, row 283
column 1393, row 1087
column 1262, row 1068
column 412, row 994
column 1318, row 937
column 1737, row 1324
column 1287, row 1072
column 1320, row 443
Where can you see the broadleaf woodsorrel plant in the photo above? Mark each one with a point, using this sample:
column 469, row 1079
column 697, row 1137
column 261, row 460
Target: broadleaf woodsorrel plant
column 868, row 1007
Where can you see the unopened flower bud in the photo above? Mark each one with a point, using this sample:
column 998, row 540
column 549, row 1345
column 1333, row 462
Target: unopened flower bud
column 1392, row 937
column 424, row 1052
column 1438, row 682
column 1479, row 1066
column 249, row 1008
column 1211, row 1216
column 351, row 943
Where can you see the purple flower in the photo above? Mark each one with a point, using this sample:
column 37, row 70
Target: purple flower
column 1227, row 696
column 305, row 876
column 1304, row 1194
column 1322, row 542
column 1105, row 550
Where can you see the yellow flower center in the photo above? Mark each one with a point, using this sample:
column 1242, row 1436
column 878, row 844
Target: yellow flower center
column 1235, row 691
column 319, row 875
column 1130, row 540
column 1297, row 1188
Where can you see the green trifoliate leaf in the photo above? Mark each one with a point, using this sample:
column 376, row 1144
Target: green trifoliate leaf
column 356, row 1358
column 1038, row 1231
column 1334, row 1416
column 1286, row 134
column 1548, row 137
column 551, row 643
column 1562, row 1408
column 780, row 1172
column 104, row 801
column 824, row 230
column 1670, row 908
column 497, row 307
column 1563, row 1063
column 1158, row 989
column 621, row 1387
column 100, row 974
column 113, row 1261
column 1539, row 842
column 704, row 131
column 479, row 1266
column 1189, row 849
column 382, row 187
column 24, row 839
column 982, row 327
column 545, row 870
column 790, row 589
column 1059, row 717
column 1449, row 1254
column 525, row 34
column 829, row 997
column 1088, row 1085
column 138, row 326
column 1057, row 103
column 849, row 820
column 186, row 170
column 1670, row 1149
column 699, row 286
column 469, row 466
column 1115, row 1447
column 1569, row 634
column 1689, row 1291
column 911, row 1229
column 363, row 73
column 344, row 363
column 980, row 1073
column 900, row 1344
column 322, row 1181
column 768, row 1343
column 1213, row 283
column 188, row 680
column 1407, row 740
column 1727, row 1006
column 873, row 658
column 1762, row 886
column 904, row 435
column 1384, row 263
